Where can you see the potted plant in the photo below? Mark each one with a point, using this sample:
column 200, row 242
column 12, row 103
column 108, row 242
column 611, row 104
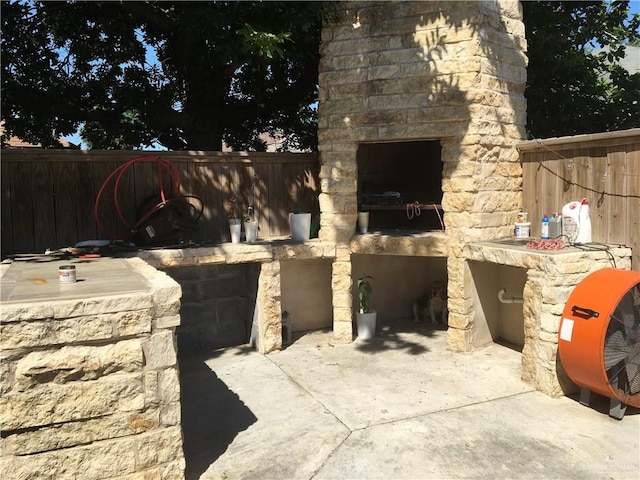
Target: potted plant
column 365, row 316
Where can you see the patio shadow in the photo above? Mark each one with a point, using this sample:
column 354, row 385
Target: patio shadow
column 212, row 415
column 389, row 336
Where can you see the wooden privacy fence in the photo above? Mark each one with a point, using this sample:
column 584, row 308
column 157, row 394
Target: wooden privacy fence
column 604, row 168
column 48, row 195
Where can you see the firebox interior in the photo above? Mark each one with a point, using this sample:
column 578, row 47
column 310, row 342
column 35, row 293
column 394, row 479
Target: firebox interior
column 400, row 184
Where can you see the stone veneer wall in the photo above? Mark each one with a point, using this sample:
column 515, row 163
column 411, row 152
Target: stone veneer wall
column 89, row 387
column 401, row 71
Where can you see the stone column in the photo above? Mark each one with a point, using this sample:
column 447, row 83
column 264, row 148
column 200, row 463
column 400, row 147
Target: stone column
column 269, row 308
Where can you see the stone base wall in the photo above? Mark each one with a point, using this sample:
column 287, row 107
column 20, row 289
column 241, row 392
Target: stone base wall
column 551, row 277
column 89, row 387
column 402, row 71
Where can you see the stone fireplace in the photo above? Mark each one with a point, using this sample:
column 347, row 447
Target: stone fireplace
column 420, row 102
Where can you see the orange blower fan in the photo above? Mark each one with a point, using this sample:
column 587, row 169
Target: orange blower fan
column 599, row 338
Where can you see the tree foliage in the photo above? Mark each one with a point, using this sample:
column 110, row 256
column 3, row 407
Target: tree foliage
column 179, row 74
column 575, row 83
column 187, row 75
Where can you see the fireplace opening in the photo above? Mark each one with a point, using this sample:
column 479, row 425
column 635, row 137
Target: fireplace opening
column 400, row 185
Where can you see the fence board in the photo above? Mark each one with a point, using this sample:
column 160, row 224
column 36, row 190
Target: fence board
column 67, row 199
column 22, row 208
column 85, row 194
column 615, row 205
column 5, row 209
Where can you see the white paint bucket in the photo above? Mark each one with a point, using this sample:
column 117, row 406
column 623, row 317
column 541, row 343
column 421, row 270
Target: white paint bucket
column 522, row 229
column 67, row 274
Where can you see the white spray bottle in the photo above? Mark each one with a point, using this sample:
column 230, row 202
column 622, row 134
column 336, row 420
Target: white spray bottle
column 584, row 231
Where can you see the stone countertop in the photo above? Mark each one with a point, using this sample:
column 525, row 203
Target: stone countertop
column 514, row 252
column 261, row 251
column 31, row 284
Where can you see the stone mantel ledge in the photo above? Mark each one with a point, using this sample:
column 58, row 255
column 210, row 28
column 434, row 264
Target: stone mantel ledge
column 262, row 251
column 566, row 261
column 426, row 244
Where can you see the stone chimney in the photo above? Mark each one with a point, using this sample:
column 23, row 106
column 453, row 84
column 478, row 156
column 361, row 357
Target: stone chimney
column 439, row 71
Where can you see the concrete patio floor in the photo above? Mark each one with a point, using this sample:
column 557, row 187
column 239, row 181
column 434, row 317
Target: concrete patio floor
column 397, row 407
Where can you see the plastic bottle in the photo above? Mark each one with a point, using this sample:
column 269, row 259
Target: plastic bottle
column 584, row 227
column 545, row 227
column 555, row 225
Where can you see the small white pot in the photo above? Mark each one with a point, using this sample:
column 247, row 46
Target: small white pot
column 235, row 228
column 363, row 222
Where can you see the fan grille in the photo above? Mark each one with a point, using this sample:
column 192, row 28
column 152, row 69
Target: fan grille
column 622, row 348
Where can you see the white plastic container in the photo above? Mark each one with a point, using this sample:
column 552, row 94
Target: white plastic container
column 576, row 221
column 584, row 233
column 522, row 229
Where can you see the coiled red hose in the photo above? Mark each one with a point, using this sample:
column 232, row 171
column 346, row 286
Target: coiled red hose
column 163, row 165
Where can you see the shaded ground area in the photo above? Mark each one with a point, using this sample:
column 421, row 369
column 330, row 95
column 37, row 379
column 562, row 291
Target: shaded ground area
column 398, row 406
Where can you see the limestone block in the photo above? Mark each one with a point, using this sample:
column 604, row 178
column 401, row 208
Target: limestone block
column 460, row 184
column 556, row 294
column 170, row 414
column 492, row 202
column 150, row 379
column 342, row 332
column 102, row 305
column 159, row 447
column 169, row 385
column 340, row 187
column 342, row 299
column 166, row 322
column 333, row 204
column 160, row 350
column 43, row 333
column 455, row 201
column 529, row 366
column 77, row 363
column 341, row 268
column 545, row 352
column 335, row 234
column 548, row 337
column 132, row 323
column 460, row 321
column 459, row 340
column 461, row 307
column 167, row 310
column 5, row 376
column 80, row 432
column 51, row 403
column 26, row 311
column 341, row 283
column 92, row 462
column 559, row 267
column 550, row 323
column 547, row 382
column 173, row 470
column 342, row 314
column 271, row 340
